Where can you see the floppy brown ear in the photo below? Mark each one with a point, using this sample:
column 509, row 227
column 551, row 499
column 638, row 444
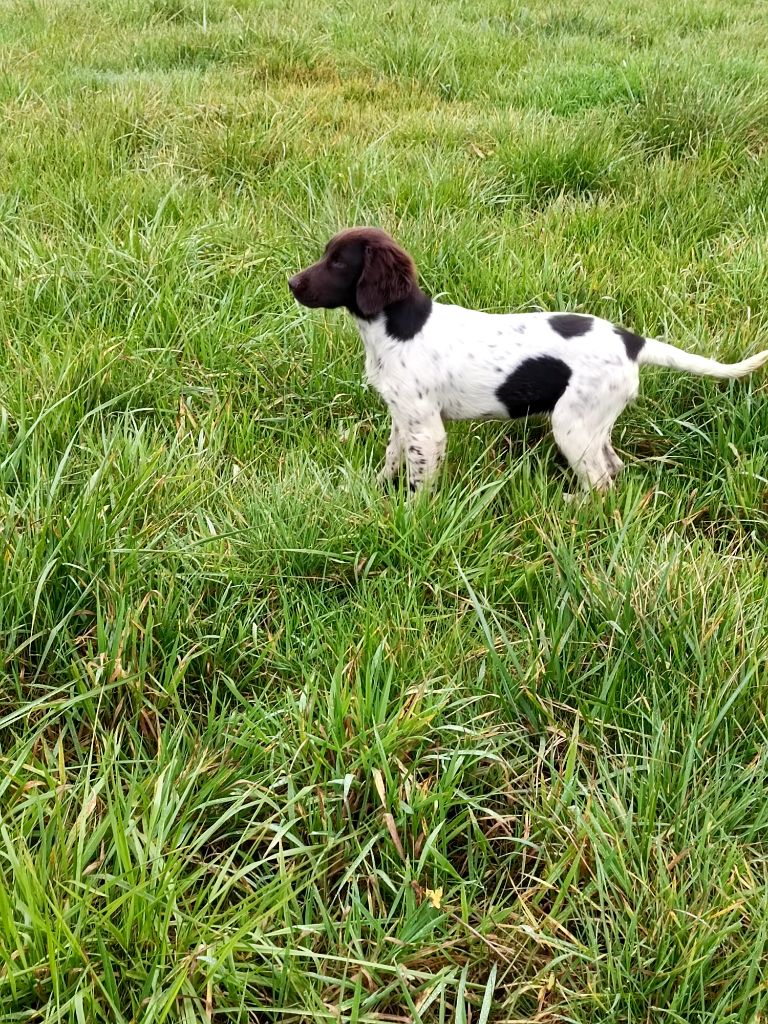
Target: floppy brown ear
column 388, row 275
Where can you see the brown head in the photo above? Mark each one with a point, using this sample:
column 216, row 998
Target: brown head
column 363, row 269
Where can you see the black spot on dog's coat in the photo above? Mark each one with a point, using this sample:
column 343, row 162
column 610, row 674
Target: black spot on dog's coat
column 406, row 318
column 570, row 325
column 633, row 343
column 535, row 386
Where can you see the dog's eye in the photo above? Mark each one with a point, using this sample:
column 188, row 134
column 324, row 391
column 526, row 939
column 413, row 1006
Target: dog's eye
column 337, row 262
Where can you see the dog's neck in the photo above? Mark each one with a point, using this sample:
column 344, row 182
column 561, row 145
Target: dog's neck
column 401, row 320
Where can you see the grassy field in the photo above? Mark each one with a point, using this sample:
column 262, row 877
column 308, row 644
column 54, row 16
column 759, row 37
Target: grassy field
column 275, row 746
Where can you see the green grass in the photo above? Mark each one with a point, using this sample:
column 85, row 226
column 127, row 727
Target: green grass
column 256, row 713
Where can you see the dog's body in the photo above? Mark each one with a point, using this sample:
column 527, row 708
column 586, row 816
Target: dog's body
column 432, row 362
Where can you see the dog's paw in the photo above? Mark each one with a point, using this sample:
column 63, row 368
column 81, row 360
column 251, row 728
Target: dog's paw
column 579, row 498
column 387, row 483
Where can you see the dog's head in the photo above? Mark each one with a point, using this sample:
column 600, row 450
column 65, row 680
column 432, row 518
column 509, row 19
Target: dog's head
column 362, row 268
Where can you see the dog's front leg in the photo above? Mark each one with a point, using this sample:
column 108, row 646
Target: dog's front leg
column 393, row 460
column 425, row 448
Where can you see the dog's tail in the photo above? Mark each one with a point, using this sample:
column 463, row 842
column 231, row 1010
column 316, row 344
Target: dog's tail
column 659, row 353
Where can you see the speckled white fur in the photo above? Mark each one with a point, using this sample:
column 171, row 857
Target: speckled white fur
column 451, row 370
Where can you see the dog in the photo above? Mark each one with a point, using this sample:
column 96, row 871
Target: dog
column 433, row 362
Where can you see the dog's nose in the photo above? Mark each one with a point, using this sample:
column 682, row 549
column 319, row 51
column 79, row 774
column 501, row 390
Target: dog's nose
column 293, row 283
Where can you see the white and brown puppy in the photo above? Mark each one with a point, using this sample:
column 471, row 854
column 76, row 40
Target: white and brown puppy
column 432, row 362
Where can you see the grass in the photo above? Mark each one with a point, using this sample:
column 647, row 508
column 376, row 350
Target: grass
column 274, row 745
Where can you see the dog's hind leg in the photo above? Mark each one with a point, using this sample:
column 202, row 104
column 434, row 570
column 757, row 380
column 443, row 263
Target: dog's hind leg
column 615, row 465
column 582, row 431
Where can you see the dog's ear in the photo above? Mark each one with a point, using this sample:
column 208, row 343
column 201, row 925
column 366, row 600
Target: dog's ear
column 388, row 275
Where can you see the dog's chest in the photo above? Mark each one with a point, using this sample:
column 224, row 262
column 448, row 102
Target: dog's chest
column 388, row 362
column 393, row 374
